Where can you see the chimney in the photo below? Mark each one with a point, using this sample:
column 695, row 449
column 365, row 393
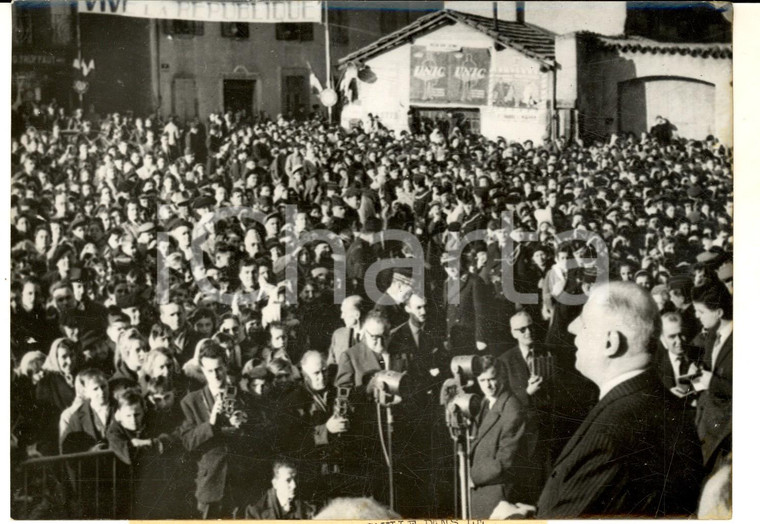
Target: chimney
column 495, row 16
column 520, row 12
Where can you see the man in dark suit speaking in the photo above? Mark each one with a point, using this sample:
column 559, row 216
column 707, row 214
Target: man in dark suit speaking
column 632, row 455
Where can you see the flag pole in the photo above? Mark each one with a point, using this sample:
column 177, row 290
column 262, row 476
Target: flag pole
column 327, row 57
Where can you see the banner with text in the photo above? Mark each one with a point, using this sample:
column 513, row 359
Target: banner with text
column 450, row 76
column 252, row 11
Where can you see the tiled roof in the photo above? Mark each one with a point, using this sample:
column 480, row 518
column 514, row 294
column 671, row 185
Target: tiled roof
column 637, row 44
column 528, row 39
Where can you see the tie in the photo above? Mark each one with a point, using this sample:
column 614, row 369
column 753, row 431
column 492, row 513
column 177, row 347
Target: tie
column 530, row 362
column 381, row 361
column 715, row 350
column 683, row 365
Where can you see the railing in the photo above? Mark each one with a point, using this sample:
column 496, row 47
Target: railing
column 93, row 484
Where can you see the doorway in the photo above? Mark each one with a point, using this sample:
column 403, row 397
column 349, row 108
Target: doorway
column 295, row 97
column 688, row 103
column 467, row 119
column 238, row 96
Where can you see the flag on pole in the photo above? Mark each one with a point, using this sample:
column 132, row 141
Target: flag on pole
column 313, row 80
column 85, row 67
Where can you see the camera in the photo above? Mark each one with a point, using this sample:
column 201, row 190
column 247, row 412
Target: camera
column 230, row 402
column 341, row 407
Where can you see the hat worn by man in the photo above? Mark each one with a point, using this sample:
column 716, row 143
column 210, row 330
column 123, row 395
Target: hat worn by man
column 132, row 300
column 147, row 227
column 77, row 274
column 178, row 223
column 203, row 202
column 79, row 221
column 680, row 283
column 372, row 225
column 319, row 272
column 353, row 192
column 181, row 198
column 403, row 275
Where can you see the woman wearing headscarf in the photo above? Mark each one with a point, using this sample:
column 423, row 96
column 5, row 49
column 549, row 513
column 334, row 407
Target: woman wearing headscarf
column 55, row 391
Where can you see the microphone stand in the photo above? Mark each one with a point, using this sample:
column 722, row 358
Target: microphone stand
column 460, row 434
column 386, row 400
column 389, row 422
column 459, row 429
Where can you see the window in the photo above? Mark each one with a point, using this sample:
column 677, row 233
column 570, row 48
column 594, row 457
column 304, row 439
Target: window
column 183, row 28
column 338, row 26
column 22, row 26
column 295, row 32
column 60, row 24
column 239, row 30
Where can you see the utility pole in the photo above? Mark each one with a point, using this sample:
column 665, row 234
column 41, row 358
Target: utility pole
column 327, row 57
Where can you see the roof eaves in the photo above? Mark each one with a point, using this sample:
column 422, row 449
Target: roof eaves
column 445, row 16
column 504, row 40
column 644, row 45
column 395, row 38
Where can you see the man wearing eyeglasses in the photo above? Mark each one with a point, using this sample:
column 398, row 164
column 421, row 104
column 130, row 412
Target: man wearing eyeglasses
column 528, row 362
column 530, row 371
column 358, row 363
column 356, row 367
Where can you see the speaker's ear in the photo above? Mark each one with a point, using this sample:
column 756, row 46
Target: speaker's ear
column 614, row 343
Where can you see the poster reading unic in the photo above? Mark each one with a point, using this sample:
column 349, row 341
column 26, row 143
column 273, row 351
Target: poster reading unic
column 458, row 76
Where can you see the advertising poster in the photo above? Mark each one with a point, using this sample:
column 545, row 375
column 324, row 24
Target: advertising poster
column 518, row 89
column 457, row 76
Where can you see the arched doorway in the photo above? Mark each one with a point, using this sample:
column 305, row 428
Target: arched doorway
column 688, row 104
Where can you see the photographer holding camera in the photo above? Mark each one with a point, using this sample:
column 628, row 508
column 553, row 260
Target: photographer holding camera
column 315, row 417
column 216, row 429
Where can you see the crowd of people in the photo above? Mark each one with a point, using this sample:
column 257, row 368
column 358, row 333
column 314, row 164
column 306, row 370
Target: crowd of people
column 166, row 307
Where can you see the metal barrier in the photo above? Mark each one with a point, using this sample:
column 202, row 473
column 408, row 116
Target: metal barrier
column 93, row 484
